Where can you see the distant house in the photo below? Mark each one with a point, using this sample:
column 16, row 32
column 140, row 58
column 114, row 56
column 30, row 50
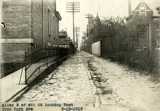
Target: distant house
column 29, row 25
column 147, row 25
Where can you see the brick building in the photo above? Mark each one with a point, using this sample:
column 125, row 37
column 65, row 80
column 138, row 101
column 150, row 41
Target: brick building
column 29, row 24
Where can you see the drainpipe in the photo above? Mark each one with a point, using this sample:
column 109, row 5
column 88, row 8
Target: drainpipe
column 150, row 38
column 1, row 18
column 42, row 25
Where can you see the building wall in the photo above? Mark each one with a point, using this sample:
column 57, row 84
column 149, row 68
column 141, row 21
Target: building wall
column 156, row 32
column 44, row 22
column 50, row 30
column 34, row 20
column 96, row 48
column 16, row 16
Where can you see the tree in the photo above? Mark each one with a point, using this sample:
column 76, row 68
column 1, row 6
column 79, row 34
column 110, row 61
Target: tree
column 158, row 9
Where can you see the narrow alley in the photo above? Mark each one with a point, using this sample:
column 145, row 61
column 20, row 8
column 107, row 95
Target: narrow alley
column 80, row 55
column 97, row 85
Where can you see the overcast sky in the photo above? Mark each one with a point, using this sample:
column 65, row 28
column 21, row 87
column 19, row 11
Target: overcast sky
column 105, row 8
column 0, row 8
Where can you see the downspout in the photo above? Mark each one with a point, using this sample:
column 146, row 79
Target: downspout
column 0, row 20
column 42, row 25
column 150, row 38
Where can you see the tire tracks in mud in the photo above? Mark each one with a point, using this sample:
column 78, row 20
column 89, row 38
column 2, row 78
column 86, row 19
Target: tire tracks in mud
column 100, row 83
column 106, row 96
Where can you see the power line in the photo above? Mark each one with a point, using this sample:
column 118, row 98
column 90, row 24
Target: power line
column 77, row 30
column 73, row 7
column 88, row 16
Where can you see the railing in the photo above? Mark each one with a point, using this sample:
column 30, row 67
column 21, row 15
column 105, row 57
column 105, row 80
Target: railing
column 33, row 69
column 37, row 70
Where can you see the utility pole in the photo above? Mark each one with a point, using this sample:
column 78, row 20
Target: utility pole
column 77, row 30
column 42, row 25
column 150, row 38
column 88, row 16
column 73, row 7
column 129, row 7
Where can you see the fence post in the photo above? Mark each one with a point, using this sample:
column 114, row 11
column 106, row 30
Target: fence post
column 47, row 57
column 25, row 69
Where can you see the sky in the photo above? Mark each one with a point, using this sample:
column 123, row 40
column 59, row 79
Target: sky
column 0, row 16
column 104, row 8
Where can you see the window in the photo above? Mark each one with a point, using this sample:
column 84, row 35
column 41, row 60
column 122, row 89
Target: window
column 141, row 34
column 142, row 13
column 141, row 28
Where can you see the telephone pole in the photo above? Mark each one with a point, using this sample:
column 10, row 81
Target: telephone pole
column 73, row 7
column 77, row 30
column 129, row 7
column 88, row 16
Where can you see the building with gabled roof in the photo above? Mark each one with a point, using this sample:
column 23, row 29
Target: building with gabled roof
column 143, row 17
column 144, row 36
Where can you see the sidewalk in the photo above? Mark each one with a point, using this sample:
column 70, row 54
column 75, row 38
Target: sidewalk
column 10, row 84
column 69, row 83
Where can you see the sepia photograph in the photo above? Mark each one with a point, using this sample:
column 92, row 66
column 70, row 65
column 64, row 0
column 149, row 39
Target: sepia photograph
column 80, row 55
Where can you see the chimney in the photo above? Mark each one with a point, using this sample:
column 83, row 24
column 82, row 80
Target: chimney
column 129, row 8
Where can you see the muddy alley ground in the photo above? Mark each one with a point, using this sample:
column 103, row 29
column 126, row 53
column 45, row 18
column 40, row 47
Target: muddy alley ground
column 97, row 85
